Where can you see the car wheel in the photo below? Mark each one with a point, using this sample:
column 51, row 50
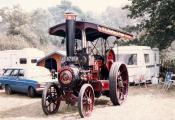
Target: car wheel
column 31, row 92
column 8, row 90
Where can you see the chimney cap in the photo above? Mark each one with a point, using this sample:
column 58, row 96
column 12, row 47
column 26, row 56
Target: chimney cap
column 70, row 16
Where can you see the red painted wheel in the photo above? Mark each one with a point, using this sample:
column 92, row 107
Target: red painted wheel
column 51, row 99
column 86, row 100
column 118, row 83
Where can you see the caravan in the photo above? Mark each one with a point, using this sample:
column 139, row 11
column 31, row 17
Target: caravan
column 142, row 62
column 19, row 58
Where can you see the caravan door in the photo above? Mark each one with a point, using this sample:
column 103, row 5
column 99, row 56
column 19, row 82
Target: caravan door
column 149, row 63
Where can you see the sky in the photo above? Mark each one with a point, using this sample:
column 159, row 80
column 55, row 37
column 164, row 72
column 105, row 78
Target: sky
column 97, row 6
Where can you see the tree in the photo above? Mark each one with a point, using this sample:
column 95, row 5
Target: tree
column 29, row 28
column 14, row 18
column 65, row 6
column 117, row 20
column 17, row 24
column 156, row 21
column 41, row 21
column 58, row 17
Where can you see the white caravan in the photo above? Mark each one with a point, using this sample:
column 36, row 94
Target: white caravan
column 142, row 62
column 19, row 58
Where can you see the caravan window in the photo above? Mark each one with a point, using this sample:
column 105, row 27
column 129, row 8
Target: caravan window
column 23, row 61
column 33, row 60
column 146, row 57
column 129, row 59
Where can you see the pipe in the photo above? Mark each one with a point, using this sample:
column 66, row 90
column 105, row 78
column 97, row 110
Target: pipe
column 70, row 33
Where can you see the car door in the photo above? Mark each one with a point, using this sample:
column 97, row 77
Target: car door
column 22, row 82
column 13, row 78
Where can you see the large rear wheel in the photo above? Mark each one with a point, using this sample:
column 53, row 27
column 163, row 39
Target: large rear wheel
column 118, row 83
column 86, row 100
column 51, row 99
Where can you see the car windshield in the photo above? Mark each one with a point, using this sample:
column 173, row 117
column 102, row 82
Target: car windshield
column 7, row 72
column 129, row 59
column 15, row 72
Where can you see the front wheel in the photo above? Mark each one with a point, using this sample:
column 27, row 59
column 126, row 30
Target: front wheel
column 86, row 100
column 8, row 90
column 118, row 83
column 31, row 92
column 51, row 99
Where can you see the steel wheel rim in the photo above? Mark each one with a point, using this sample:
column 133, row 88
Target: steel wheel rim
column 52, row 99
column 88, row 101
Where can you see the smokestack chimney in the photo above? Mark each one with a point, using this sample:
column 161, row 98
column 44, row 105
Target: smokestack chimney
column 70, row 33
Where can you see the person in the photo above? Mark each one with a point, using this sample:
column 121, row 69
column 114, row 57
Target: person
column 54, row 75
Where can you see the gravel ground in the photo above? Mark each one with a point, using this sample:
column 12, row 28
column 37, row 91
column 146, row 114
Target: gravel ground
column 150, row 103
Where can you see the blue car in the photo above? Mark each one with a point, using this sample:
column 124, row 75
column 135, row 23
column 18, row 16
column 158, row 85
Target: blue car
column 30, row 80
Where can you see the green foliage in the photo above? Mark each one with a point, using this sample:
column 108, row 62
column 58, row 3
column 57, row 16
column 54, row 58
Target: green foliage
column 20, row 29
column 65, row 6
column 31, row 29
column 156, row 21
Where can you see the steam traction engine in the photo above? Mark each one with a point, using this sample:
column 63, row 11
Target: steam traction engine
column 87, row 71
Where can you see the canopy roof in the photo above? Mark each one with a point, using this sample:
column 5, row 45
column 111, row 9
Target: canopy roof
column 93, row 31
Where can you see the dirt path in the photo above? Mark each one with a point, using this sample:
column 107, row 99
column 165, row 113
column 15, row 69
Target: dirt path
column 142, row 104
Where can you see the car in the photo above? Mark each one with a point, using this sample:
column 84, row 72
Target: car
column 30, row 80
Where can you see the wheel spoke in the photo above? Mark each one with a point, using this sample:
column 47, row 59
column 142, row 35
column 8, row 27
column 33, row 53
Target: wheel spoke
column 55, row 102
column 47, row 98
column 121, row 86
column 86, row 108
column 89, row 94
column 125, row 82
column 85, row 93
column 48, row 104
column 84, row 102
column 121, row 94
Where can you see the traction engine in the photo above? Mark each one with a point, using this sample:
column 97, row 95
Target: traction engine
column 90, row 68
